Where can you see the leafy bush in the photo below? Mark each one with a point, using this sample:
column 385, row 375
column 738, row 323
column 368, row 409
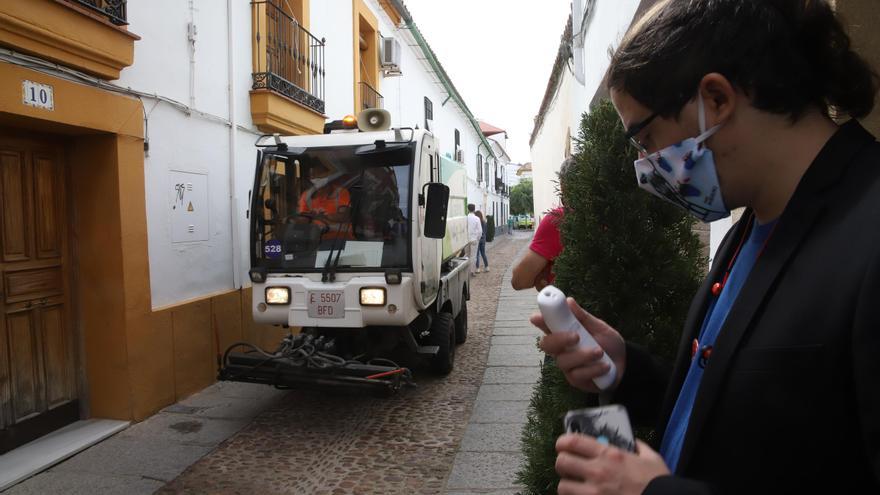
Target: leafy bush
column 629, row 258
column 552, row 398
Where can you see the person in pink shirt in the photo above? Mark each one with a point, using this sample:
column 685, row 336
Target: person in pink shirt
column 535, row 269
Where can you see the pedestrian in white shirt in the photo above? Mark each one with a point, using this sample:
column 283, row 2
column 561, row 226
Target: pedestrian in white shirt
column 475, row 233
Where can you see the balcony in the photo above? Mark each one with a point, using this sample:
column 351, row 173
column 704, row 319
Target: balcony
column 87, row 35
column 113, row 10
column 288, row 77
column 370, row 98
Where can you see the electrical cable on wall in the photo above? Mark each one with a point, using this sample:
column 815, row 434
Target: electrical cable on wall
column 69, row 74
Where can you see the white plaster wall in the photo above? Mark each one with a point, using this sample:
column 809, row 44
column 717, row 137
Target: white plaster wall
column 605, row 28
column 161, row 57
column 548, row 150
column 717, row 231
column 180, row 271
column 332, row 20
column 195, row 143
column 243, row 65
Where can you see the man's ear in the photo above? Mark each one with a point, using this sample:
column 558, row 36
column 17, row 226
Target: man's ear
column 719, row 99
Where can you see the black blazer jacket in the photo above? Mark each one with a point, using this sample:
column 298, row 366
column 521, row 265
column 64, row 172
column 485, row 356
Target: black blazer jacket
column 790, row 398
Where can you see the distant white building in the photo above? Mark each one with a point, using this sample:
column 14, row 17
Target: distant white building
column 517, row 172
column 496, row 194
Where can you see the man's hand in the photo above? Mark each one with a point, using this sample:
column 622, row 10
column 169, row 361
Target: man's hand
column 527, row 270
column 543, row 279
column 587, row 466
column 581, row 366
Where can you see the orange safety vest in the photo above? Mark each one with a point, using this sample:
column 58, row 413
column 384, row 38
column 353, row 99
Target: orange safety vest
column 317, row 201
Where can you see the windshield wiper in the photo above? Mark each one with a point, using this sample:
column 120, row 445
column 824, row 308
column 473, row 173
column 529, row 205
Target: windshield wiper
column 327, row 272
column 355, row 208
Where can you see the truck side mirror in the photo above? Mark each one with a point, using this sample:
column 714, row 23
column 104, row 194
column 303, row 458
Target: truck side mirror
column 436, row 207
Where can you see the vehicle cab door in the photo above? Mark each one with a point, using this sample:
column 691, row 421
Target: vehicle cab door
column 426, row 263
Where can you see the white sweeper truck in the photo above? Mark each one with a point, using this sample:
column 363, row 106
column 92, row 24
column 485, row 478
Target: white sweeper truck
column 356, row 241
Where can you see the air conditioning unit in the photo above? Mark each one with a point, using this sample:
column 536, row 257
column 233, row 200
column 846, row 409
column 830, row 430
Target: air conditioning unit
column 389, row 55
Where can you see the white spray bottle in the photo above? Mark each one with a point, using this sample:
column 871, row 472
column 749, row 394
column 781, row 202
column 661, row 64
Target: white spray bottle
column 559, row 318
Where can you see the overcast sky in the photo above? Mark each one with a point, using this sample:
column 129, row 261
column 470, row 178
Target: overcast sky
column 499, row 54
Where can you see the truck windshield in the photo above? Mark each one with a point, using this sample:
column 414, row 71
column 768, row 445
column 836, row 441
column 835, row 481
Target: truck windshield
column 312, row 201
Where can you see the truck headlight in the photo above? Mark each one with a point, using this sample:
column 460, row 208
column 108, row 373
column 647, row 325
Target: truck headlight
column 277, row 295
column 372, row 296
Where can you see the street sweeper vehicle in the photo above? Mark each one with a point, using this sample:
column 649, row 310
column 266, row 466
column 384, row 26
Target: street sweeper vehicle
column 356, row 238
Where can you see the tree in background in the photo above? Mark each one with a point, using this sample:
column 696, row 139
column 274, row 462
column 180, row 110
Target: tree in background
column 629, row 258
column 521, row 198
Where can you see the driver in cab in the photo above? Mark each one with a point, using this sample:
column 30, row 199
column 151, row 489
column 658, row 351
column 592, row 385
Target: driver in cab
column 327, row 203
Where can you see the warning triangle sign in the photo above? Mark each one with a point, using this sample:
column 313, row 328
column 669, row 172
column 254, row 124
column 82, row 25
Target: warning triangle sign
column 190, row 207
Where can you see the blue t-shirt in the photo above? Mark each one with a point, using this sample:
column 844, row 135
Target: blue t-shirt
column 673, row 439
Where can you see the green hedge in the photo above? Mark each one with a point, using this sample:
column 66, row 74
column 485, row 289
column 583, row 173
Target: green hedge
column 490, row 228
column 552, row 398
column 629, row 258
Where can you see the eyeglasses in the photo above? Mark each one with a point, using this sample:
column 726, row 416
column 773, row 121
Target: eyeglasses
column 636, row 129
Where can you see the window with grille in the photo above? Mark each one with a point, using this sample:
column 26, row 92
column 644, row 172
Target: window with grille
column 429, row 113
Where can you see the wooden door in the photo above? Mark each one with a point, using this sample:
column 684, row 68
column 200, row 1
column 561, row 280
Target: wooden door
column 37, row 370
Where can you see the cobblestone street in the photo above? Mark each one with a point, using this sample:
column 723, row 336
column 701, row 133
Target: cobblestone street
column 337, row 443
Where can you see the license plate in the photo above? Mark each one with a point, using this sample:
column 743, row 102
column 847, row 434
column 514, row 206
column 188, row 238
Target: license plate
column 326, row 304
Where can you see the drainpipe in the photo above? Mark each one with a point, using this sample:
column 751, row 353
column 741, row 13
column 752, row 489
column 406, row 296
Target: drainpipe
column 191, row 35
column 233, row 200
column 577, row 40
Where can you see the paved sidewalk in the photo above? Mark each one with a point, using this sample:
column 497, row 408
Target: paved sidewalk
column 142, row 458
column 490, row 453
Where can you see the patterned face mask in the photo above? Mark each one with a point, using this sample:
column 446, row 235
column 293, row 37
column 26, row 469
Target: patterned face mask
column 684, row 174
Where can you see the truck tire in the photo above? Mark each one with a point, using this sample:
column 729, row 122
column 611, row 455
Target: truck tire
column 461, row 323
column 443, row 336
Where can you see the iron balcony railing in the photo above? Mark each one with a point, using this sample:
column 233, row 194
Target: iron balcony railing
column 370, row 98
column 292, row 62
column 114, row 10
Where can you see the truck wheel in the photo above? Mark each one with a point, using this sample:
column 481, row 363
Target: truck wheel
column 443, row 336
column 461, row 323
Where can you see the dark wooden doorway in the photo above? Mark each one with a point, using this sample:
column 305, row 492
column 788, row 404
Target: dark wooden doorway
column 38, row 386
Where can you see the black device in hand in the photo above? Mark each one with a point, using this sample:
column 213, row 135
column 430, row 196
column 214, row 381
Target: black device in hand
column 608, row 424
